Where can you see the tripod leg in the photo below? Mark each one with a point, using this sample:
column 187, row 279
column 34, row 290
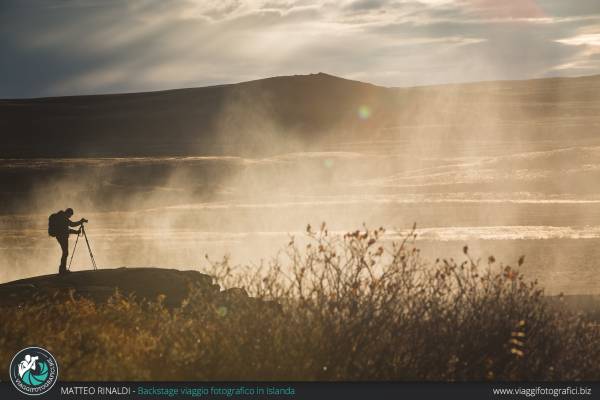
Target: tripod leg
column 89, row 248
column 73, row 254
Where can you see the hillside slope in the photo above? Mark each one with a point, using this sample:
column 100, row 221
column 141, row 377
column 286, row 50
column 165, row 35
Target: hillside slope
column 248, row 118
column 292, row 113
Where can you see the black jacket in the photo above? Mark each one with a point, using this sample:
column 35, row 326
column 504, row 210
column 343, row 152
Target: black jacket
column 63, row 223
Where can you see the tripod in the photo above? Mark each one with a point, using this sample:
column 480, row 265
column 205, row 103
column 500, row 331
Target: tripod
column 88, row 246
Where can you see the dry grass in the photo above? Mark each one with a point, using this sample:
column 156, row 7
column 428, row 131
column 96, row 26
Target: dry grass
column 350, row 308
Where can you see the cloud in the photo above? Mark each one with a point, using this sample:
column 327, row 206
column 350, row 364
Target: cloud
column 587, row 45
column 93, row 46
column 588, row 39
column 360, row 5
column 510, row 9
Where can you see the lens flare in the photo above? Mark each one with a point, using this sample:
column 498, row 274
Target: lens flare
column 364, row 112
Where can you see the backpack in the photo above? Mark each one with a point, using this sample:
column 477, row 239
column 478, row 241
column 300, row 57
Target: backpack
column 54, row 224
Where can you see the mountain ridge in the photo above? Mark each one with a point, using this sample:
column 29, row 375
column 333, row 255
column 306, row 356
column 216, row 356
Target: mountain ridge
column 291, row 113
column 220, row 85
column 191, row 88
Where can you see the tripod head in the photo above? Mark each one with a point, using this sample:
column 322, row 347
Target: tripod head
column 81, row 226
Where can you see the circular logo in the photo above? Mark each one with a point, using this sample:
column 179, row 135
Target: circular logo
column 33, row 371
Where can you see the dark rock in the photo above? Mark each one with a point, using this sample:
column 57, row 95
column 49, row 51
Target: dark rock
column 144, row 283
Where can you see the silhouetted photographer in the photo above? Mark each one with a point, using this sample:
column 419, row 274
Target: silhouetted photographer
column 59, row 226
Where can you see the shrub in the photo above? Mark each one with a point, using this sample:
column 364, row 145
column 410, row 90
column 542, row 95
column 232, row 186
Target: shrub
column 351, row 307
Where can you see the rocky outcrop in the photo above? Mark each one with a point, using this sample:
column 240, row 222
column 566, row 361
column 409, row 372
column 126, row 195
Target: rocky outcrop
column 143, row 283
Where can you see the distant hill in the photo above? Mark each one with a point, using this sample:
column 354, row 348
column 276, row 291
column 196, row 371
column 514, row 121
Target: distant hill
column 228, row 119
column 290, row 113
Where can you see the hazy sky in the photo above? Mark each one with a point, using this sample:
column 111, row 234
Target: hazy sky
column 100, row 46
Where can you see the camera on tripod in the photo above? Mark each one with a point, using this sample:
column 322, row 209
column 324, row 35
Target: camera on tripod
column 87, row 242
